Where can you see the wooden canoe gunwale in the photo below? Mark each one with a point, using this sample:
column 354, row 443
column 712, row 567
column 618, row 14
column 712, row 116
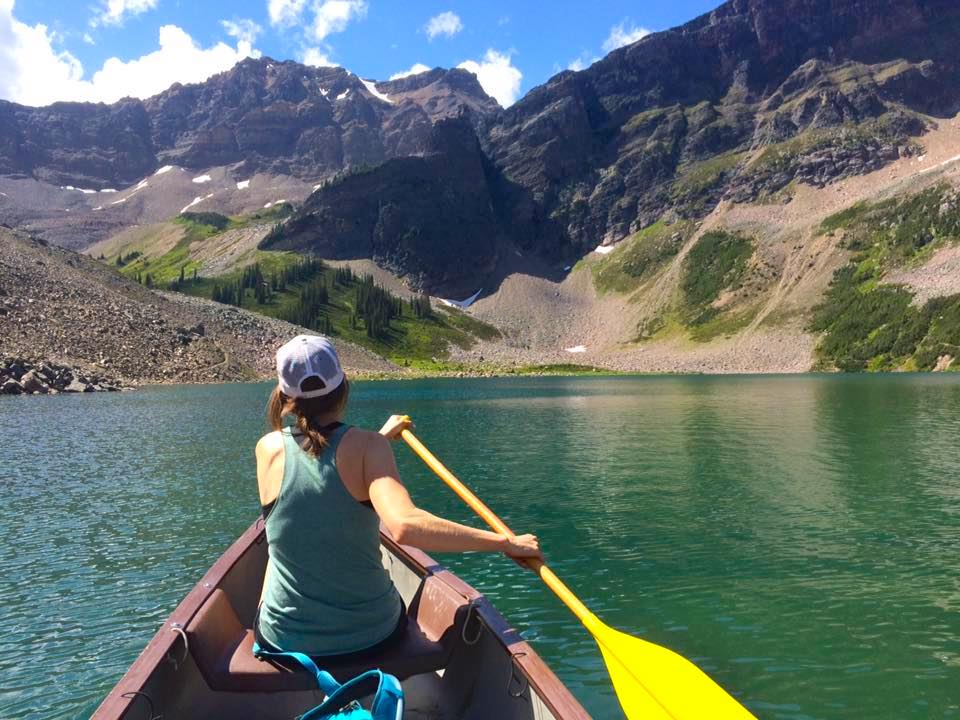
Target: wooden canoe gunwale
column 527, row 663
column 115, row 705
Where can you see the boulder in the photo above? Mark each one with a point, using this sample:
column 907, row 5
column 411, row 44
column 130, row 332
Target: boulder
column 75, row 386
column 32, row 382
column 11, row 387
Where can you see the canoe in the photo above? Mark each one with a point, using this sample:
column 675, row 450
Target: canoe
column 459, row 659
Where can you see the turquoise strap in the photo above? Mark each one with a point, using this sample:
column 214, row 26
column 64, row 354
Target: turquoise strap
column 325, row 681
column 388, row 695
column 387, row 700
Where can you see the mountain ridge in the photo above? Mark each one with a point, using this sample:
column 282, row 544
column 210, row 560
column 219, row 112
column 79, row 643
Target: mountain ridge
column 260, row 116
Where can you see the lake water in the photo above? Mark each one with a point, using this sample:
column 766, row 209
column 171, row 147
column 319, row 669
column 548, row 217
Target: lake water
column 798, row 537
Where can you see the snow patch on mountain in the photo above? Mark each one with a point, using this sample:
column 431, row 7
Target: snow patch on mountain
column 371, row 86
column 462, row 304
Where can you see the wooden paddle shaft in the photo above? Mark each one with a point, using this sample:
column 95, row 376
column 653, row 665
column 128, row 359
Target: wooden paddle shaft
column 546, row 574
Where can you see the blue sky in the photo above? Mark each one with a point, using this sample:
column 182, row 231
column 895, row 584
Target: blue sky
column 55, row 49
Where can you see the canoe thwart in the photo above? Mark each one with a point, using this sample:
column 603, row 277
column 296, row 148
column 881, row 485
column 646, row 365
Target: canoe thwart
column 222, row 648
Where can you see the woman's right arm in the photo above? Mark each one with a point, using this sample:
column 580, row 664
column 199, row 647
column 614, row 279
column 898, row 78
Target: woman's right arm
column 410, row 525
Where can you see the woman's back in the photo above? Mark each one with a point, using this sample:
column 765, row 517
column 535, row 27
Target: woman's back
column 327, row 592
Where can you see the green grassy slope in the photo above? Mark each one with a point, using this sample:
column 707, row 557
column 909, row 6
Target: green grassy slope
column 410, row 339
column 868, row 325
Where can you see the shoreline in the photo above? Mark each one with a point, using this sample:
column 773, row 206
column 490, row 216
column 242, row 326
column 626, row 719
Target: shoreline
column 463, row 372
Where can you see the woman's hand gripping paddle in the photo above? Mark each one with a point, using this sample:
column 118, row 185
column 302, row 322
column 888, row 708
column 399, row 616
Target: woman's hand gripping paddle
column 651, row 682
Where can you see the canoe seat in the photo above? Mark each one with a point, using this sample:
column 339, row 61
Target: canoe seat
column 223, row 650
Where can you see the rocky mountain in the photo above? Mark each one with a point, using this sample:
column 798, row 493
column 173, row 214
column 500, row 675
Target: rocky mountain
column 743, row 104
column 260, row 116
column 428, row 217
column 739, row 103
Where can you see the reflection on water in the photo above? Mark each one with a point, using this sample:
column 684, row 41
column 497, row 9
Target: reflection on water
column 797, row 537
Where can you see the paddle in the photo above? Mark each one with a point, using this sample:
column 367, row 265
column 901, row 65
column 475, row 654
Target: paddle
column 651, row 682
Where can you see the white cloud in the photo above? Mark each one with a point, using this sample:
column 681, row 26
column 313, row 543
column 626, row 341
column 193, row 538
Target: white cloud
column 243, row 30
column 317, row 58
column 621, row 35
column 285, row 12
column 114, row 12
column 497, row 75
column 333, row 16
column 34, row 72
column 415, row 69
column 88, row 39
column 446, row 23
column 582, row 61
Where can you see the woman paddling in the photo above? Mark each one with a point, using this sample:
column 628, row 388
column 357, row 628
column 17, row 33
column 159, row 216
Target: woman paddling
column 325, row 487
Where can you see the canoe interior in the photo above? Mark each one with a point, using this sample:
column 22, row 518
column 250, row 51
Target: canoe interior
column 491, row 671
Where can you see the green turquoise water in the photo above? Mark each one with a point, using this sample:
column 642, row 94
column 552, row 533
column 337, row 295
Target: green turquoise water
column 798, row 537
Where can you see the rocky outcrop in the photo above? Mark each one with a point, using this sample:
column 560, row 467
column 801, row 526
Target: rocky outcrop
column 607, row 150
column 442, row 93
column 260, row 116
column 19, row 376
column 79, row 144
column 429, row 219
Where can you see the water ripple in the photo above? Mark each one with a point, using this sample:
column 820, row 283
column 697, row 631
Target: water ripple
column 796, row 537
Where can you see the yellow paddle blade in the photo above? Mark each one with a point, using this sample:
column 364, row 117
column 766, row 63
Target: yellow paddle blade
column 654, row 683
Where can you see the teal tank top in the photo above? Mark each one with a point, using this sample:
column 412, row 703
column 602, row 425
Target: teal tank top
column 327, row 592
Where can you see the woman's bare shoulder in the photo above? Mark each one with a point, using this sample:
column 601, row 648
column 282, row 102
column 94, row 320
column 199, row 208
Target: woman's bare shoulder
column 360, row 439
column 270, row 443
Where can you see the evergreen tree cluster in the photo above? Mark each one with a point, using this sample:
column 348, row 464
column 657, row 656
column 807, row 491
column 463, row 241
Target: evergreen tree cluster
column 303, row 271
column 125, row 260
column 311, row 308
column 376, row 307
column 254, row 279
column 229, row 294
column 183, row 280
column 313, row 284
column 420, row 305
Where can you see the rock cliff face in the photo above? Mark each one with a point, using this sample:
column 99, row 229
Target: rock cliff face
column 261, row 116
column 429, row 218
column 85, row 145
column 743, row 100
column 738, row 104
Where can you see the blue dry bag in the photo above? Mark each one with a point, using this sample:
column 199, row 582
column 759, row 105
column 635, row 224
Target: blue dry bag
column 343, row 701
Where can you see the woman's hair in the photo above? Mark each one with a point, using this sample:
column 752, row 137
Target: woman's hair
column 307, row 410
